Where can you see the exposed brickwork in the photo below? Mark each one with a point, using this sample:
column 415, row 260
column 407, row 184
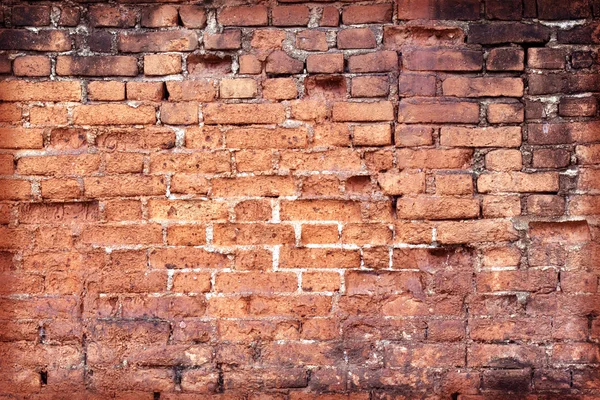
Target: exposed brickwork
column 295, row 199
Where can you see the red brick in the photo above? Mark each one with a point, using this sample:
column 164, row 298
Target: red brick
column 109, row 16
column 311, row 40
column 243, row 16
column 368, row 14
column 572, row 10
column 124, row 186
column 551, row 158
column 40, row 91
column 330, row 17
column 122, row 234
column 416, row 85
column 160, row 16
column 200, row 89
column 518, row 182
column 504, row 10
column 83, row 164
column 197, row 162
column 449, row 9
column 236, row 114
column 191, row 210
column 380, row 111
column 10, row 112
column 259, row 186
column 483, row 87
column 413, row 135
column 31, row 66
column 325, row 63
column 185, row 113
column 379, row 61
column 356, row 38
column 296, row 15
column 137, row 42
column 454, row 184
column 21, row 138
column 505, row 113
column 113, row 114
column 240, row 88
column 228, row 40
column 546, row 58
column 280, row 63
column 106, row 90
column 279, row 89
column 43, row 40
column 372, row 135
column 578, row 107
column 249, row 64
column 320, row 210
column 480, row 137
column 162, row 64
column 443, row 60
column 504, row 160
column 438, row 112
column 434, row 158
column 152, row 91
column 505, row 59
column 192, row 16
column 436, row 208
column 488, row 230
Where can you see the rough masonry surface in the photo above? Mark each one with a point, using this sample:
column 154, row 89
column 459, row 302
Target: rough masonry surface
column 286, row 200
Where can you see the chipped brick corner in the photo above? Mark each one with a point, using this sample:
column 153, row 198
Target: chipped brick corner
column 286, row 200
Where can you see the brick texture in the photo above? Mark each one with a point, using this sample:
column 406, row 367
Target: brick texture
column 294, row 199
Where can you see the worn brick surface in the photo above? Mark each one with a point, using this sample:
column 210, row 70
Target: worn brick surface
column 294, row 199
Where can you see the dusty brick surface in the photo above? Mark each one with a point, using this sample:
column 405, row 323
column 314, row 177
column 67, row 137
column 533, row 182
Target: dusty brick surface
column 289, row 200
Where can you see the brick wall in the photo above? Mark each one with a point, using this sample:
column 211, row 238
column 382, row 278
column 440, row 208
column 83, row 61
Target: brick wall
column 291, row 200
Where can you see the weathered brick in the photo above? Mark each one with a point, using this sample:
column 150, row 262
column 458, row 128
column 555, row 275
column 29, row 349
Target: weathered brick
column 113, row 114
column 572, row 10
column 438, row 112
column 32, row 66
column 180, row 40
column 379, row 61
column 506, row 59
column 311, row 40
column 356, row 38
column 21, row 138
column 236, row 114
column 160, row 16
column 109, row 16
column 228, row 40
column 241, row 88
column 162, row 64
column 510, row 32
column 43, row 40
column 546, row 58
column 243, row 16
column 368, row 14
column 518, row 182
column 435, row 59
column 448, row 9
column 106, row 90
column 97, row 66
column 40, row 91
column 480, row 137
column 296, row 15
column 192, row 16
column 325, row 63
column 31, row 15
column 483, row 87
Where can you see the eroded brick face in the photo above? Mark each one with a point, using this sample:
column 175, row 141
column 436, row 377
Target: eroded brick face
column 292, row 200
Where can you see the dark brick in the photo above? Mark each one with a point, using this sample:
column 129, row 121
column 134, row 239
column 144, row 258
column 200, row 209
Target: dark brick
column 551, row 158
column 100, row 41
column 439, row 9
column 507, row 380
column 31, row 15
column 506, row 59
column 534, row 109
column 577, row 106
column 136, row 42
column 69, row 16
column 585, row 34
column 21, row 39
column 105, row 16
column 555, row 10
column 548, row 134
column 508, row 32
column 97, row 66
column 582, row 59
column 529, row 9
column 563, row 83
column 504, row 9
